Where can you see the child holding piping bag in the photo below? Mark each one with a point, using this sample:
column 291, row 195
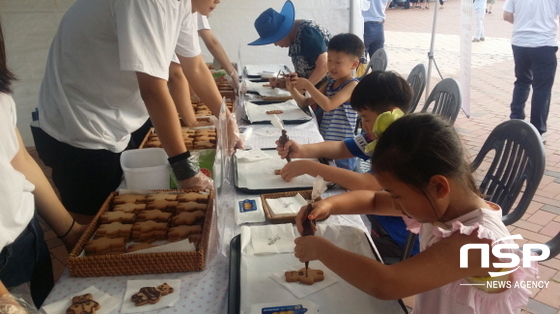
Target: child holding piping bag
column 425, row 176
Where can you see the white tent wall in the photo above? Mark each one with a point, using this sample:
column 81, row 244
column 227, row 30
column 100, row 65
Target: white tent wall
column 29, row 26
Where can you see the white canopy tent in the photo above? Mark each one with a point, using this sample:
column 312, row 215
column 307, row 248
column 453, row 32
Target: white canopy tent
column 232, row 23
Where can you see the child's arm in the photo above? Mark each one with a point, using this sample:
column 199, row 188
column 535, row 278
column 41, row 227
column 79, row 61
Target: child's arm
column 345, row 178
column 299, row 97
column 354, row 202
column 436, row 266
column 326, row 149
column 326, row 103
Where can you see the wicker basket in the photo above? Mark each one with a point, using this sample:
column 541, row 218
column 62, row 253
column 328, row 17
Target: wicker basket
column 286, row 218
column 140, row 263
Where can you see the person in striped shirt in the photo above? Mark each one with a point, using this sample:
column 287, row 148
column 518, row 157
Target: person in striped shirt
column 337, row 119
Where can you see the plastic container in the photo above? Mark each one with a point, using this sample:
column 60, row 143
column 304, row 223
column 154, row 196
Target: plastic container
column 145, row 169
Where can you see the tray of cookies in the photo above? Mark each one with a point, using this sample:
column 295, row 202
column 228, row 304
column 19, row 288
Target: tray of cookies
column 283, row 215
column 130, row 222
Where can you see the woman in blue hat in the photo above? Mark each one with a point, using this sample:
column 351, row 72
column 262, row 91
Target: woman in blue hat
column 307, row 42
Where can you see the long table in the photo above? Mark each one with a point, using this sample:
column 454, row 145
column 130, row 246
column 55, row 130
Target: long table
column 207, row 291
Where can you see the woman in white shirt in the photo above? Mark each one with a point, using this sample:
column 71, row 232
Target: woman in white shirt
column 25, row 191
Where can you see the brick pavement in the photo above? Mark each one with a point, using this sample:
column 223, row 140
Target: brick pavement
column 408, row 35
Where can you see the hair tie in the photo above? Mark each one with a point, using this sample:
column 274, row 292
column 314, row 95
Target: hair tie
column 381, row 124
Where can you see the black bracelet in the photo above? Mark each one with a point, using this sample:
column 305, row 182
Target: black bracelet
column 67, row 232
column 183, row 166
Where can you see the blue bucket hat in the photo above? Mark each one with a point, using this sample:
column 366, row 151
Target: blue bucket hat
column 273, row 26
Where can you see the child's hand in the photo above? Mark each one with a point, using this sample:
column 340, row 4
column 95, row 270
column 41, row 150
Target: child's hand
column 300, row 83
column 309, row 248
column 294, row 169
column 277, row 82
column 292, row 147
column 321, row 210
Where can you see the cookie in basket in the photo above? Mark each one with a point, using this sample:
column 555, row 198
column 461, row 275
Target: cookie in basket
column 130, row 208
column 204, row 145
column 305, row 276
column 155, row 215
column 128, row 198
column 191, row 206
column 139, row 246
column 118, row 216
column 161, row 196
column 163, row 205
column 151, row 295
column 149, row 231
column 114, row 230
column 195, row 238
column 210, row 139
column 182, row 232
column 193, row 197
column 102, row 246
column 153, row 143
column 187, row 218
column 83, row 304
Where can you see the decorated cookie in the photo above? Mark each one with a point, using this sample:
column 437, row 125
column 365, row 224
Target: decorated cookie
column 102, row 246
column 139, row 246
column 83, row 304
column 308, row 277
column 118, row 216
column 114, row 230
column 191, row 206
column 149, row 231
column 151, row 295
column 187, row 218
column 274, row 112
column 277, row 172
column 155, row 215
column 182, row 232
column 128, row 198
column 130, row 208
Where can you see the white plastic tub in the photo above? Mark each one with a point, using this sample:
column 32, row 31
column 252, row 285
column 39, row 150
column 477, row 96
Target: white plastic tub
column 146, row 169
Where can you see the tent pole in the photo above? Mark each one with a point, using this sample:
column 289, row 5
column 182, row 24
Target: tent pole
column 351, row 17
column 431, row 59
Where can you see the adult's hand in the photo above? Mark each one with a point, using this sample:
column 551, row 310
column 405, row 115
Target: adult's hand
column 234, row 138
column 199, row 181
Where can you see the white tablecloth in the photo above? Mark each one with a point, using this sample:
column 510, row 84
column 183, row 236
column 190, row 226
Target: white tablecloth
column 206, row 291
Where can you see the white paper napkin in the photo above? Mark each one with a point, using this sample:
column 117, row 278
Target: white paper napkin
column 300, row 290
column 286, row 205
column 179, row 246
column 249, row 210
column 133, row 286
column 107, row 302
column 254, row 154
column 269, row 239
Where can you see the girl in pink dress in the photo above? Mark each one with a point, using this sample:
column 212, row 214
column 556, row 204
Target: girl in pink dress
column 420, row 163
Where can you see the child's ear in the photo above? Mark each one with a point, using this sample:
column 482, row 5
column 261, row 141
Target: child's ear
column 440, row 185
column 355, row 64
